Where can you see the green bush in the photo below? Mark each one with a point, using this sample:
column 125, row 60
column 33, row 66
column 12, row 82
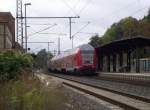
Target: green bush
column 11, row 63
column 31, row 94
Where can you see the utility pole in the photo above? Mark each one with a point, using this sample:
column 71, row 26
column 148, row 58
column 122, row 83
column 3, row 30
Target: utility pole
column 26, row 37
column 54, row 52
column 58, row 45
column 48, row 46
column 70, row 26
column 72, row 41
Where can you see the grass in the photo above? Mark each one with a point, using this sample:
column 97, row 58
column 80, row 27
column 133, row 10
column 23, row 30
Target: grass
column 27, row 93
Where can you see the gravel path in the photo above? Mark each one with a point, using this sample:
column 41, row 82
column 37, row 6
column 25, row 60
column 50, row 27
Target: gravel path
column 77, row 100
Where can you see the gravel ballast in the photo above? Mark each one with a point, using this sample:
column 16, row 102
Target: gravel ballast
column 82, row 101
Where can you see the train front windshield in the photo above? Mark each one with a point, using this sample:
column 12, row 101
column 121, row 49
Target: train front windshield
column 87, row 57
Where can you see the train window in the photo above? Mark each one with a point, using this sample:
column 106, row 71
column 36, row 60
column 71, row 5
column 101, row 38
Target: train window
column 87, row 57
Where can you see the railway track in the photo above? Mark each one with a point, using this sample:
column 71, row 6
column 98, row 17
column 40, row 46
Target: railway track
column 94, row 82
column 125, row 101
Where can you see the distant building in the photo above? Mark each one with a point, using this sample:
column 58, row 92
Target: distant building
column 7, row 30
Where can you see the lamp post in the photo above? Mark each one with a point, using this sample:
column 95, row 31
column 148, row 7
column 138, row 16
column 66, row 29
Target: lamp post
column 26, row 37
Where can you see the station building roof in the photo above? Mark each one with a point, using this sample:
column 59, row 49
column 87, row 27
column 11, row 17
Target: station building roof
column 123, row 45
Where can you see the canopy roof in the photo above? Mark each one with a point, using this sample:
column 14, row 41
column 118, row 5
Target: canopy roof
column 124, row 45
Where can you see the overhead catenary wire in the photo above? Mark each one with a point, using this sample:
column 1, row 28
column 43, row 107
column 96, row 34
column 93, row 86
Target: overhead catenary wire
column 36, row 48
column 88, row 33
column 139, row 10
column 81, row 29
column 78, row 32
column 74, row 7
column 62, row 34
column 118, row 10
column 42, row 30
column 85, row 6
column 39, row 24
column 69, row 7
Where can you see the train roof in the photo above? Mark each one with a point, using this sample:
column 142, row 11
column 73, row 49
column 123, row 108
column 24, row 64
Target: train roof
column 83, row 47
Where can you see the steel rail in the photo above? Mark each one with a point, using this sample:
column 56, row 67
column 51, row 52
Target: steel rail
column 125, row 106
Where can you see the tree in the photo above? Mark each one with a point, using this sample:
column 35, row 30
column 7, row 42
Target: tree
column 144, row 28
column 49, row 55
column 130, row 27
column 41, row 58
column 125, row 28
column 12, row 62
column 95, row 41
column 147, row 18
column 115, row 32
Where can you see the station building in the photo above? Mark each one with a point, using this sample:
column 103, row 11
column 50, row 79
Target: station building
column 127, row 55
column 7, row 30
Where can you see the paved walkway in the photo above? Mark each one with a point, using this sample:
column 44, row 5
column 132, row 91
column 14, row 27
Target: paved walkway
column 127, row 74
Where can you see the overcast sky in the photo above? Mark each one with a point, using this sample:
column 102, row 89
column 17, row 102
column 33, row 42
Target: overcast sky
column 96, row 16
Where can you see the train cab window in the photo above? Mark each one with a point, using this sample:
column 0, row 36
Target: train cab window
column 87, row 57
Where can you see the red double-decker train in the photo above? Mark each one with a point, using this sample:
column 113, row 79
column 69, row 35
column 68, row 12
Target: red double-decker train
column 78, row 60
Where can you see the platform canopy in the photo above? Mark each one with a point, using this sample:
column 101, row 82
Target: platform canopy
column 124, row 45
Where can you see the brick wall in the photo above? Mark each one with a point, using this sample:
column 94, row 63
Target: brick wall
column 7, row 30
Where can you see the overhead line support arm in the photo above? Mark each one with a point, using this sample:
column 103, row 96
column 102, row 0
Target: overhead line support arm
column 48, row 17
column 54, row 18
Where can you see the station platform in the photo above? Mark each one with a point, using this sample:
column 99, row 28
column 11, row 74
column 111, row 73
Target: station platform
column 127, row 74
column 131, row 76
